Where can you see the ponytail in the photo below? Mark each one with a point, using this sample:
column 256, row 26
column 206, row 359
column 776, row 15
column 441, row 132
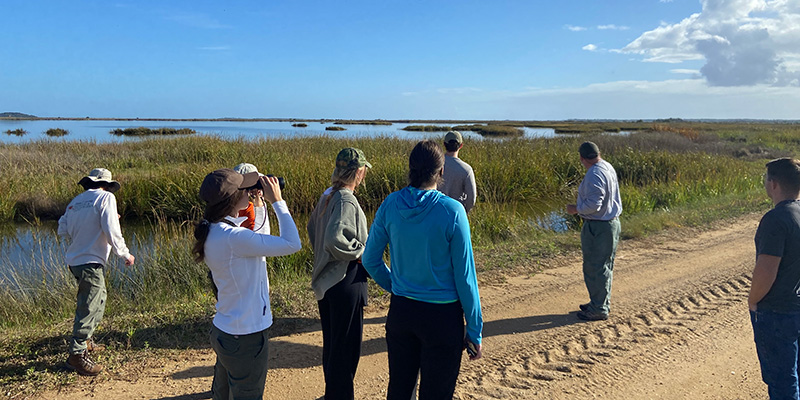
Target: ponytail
column 213, row 213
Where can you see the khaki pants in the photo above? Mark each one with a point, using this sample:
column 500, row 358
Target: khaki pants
column 241, row 369
column 91, row 304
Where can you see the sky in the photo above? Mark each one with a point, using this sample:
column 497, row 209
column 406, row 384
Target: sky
column 389, row 59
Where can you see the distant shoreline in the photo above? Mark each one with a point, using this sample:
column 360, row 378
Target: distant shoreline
column 408, row 121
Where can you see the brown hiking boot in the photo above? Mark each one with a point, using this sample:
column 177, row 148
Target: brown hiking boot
column 94, row 347
column 82, row 364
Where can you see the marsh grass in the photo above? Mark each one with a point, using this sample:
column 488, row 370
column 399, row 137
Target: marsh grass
column 56, row 132
column 427, row 128
column 492, row 130
column 335, row 128
column 17, row 132
column 143, row 131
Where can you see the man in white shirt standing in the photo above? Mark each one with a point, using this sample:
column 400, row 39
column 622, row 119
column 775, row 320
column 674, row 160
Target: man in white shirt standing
column 458, row 181
column 600, row 206
column 91, row 226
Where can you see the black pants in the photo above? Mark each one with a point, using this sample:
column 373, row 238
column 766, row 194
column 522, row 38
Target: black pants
column 341, row 313
column 423, row 338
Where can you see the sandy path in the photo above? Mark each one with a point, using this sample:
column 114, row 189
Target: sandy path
column 679, row 330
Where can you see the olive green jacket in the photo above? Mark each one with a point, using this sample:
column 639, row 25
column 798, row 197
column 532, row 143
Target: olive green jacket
column 338, row 232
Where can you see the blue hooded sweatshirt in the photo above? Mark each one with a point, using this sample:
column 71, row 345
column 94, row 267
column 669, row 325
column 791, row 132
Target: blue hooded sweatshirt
column 430, row 250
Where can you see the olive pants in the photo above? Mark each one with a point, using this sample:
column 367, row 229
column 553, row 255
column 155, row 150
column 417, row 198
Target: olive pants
column 599, row 246
column 91, row 304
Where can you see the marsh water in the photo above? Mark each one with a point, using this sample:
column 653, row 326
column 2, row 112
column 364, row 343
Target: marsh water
column 31, row 253
column 35, row 252
column 98, row 131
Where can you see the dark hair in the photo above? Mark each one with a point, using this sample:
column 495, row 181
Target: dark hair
column 213, row 213
column 424, row 164
column 89, row 184
column 785, row 171
column 452, row 145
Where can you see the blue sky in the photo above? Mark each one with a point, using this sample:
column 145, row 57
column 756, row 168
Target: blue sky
column 542, row 60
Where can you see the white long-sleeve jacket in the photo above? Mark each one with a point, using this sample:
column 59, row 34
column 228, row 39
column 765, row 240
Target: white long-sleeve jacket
column 91, row 224
column 235, row 256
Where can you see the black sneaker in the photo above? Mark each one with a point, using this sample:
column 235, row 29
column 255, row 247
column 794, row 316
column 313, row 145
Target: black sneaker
column 584, row 307
column 590, row 316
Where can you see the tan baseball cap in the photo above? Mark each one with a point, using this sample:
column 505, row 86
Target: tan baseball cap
column 453, row 135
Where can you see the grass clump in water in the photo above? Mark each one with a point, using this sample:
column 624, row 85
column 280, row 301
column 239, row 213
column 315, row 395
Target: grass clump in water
column 17, row 132
column 56, row 132
column 143, row 131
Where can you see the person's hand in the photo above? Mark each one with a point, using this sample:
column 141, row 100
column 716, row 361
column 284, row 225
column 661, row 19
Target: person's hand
column 753, row 306
column 258, row 197
column 478, row 352
column 129, row 260
column 572, row 209
column 272, row 190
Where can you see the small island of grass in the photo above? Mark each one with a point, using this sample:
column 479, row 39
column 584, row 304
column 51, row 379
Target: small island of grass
column 300, row 125
column 491, row 130
column 427, row 128
column 17, row 132
column 361, row 122
column 56, row 132
column 143, row 131
column 334, row 128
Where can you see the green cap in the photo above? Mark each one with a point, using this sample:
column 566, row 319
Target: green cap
column 351, row 157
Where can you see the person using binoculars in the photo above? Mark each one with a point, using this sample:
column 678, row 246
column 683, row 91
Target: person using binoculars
column 236, row 258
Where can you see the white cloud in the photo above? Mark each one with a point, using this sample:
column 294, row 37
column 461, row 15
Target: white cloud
column 695, row 72
column 665, row 1
column 575, row 28
column 613, row 27
column 743, row 42
column 589, row 47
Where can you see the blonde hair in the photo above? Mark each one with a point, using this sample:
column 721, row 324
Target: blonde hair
column 342, row 177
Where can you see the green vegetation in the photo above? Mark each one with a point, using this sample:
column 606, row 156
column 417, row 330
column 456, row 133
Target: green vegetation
column 491, row 130
column 142, row 131
column 56, row 132
column 671, row 175
column 300, row 125
column 335, row 128
column 427, row 128
column 17, row 132
column 361, row 122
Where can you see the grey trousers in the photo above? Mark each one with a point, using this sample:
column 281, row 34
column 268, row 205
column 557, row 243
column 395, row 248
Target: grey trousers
column 599, row 246
column 91, row 304
column 240, row 372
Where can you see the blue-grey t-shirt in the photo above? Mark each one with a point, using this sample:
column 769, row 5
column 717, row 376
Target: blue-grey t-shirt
column 778, row 235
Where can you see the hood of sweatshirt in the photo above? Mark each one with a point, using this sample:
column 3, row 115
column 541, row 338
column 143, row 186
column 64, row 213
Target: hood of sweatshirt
column 415, row 204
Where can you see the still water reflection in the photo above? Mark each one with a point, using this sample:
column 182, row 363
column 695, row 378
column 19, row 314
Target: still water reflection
column 98, row 131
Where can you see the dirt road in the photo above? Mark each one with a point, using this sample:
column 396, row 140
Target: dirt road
column 679, row 330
